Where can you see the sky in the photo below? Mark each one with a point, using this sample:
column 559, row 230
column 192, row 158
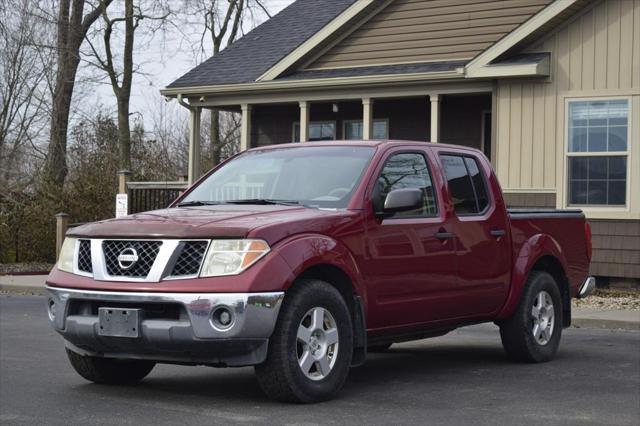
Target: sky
column 163, row 59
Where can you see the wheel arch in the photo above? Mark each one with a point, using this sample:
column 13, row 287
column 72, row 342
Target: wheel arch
column 540, row 253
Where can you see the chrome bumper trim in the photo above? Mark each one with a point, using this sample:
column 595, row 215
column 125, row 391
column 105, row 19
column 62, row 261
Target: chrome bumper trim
column 254, row 314
column 587, row 288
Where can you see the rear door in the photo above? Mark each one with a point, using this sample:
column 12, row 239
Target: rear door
column 481, row 232
column 409, row 264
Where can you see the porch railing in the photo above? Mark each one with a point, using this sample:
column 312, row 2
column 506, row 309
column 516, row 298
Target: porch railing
column 145, row 196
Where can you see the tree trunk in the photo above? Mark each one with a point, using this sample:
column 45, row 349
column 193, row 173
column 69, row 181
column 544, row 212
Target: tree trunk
column 71, row 29
column 215, row 138
column 124, row 134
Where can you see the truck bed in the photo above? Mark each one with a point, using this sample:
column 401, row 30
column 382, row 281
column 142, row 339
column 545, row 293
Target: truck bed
column 565, row 227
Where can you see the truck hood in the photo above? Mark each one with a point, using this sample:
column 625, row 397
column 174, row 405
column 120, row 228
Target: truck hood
column 270, row 222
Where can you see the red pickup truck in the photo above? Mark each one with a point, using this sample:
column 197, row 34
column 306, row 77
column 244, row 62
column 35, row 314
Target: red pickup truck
column 300, row 258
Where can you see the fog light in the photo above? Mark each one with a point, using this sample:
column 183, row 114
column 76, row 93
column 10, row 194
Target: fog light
column 51, row 309
column 222, row 318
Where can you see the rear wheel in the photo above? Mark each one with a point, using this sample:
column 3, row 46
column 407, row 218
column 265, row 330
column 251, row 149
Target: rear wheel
column 311, row 347
column 533, row 333
column 110, row 371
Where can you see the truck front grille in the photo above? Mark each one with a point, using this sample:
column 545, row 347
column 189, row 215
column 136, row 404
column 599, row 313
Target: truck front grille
column 190, row 258
column 145, row 251
column 84, row 256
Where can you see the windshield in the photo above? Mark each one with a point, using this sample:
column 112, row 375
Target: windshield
column 321, row 177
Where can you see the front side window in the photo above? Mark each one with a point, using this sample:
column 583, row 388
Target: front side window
column 353, row 129
column 320, row 177
column 466, row 185
column 318, row 131
column 407, row 170
column 597, row 152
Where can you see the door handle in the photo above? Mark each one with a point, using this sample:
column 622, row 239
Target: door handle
column 444, row 235
column 497, row 233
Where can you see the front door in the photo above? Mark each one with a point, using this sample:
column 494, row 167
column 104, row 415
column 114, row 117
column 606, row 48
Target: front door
column 481, row 232
column 410, row 259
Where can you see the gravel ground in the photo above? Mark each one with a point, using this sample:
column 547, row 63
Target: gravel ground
column 610, row 300
column 22, row 268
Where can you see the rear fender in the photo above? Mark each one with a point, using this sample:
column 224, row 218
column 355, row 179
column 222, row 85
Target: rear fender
column 532, row 250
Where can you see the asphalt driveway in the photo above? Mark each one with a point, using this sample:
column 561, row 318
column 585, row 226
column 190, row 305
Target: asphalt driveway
column 461, row 378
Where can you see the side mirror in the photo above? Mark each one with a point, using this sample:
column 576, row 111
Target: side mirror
column 400, row 200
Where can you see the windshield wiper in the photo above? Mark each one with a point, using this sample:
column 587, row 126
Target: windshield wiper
column 198, row 203
column 264, row 201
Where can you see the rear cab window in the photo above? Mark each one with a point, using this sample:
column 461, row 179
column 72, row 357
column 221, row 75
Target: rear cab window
column 467, row 185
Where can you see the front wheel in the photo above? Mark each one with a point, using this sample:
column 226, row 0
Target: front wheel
column 533, row 332
column 110, row 371
column 311, row 347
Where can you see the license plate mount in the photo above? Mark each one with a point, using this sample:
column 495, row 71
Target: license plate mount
column 119, row 322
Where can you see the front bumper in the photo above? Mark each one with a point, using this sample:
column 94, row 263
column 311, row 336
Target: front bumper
column 174, row 327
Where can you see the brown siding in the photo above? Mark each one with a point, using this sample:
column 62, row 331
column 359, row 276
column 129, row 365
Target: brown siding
column 273, row 124
column 530, row 200
column 616, row 248
column 461, row 119
column 421, row 30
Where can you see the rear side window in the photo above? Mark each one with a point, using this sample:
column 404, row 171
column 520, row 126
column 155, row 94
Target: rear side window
column 408, row 170
column 466, row 184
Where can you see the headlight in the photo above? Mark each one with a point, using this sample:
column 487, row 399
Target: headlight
column 230, row 257
column 65, row 260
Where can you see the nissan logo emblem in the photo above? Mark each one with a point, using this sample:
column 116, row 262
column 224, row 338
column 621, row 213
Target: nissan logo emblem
column 127, row 258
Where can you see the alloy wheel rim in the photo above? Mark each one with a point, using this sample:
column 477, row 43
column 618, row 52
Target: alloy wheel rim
column 317, row 343
column 543, row 318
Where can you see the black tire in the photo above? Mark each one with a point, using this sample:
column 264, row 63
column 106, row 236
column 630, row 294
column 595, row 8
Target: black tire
column 379, row 348
column 110, row 371
column 517, row 332
column 280, row 376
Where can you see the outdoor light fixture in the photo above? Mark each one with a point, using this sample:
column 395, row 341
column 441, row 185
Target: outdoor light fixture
column 335, row 107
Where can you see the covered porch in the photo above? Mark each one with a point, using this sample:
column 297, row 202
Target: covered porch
column 460, row 114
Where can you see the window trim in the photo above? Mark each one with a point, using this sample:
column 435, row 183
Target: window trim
column 297, row 123
column 344, row 126
column 424, row 155
column 484, row 180
column 564, row 187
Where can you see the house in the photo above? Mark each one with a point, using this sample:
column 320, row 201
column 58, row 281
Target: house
column 549, row 90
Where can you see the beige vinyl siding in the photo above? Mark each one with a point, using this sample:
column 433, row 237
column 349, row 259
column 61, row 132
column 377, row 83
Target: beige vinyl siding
column 595, row 53
column 426, row 30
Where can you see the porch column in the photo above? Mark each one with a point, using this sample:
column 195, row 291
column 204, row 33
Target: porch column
column 367, row 118
column 304, row 121
column 194, row 144
column 245, row 127
column 435, row 117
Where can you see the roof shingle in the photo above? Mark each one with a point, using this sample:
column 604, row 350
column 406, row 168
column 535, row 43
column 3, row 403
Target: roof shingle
column 250, row 56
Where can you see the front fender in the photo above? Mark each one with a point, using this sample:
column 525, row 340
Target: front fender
column 305, row 251
column 532, row 250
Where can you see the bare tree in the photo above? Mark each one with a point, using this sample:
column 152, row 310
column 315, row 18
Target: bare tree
column 121, row 79
column 222, row 23
column 23, row 91
column 72, row 27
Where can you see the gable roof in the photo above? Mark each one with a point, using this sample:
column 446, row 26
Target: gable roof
column 249, row 57
column 409, row 31
column 278, row 53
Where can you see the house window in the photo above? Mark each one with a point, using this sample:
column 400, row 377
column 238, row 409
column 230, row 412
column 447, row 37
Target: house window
column 353, row 129
column 597, row 154
column 318, row 131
